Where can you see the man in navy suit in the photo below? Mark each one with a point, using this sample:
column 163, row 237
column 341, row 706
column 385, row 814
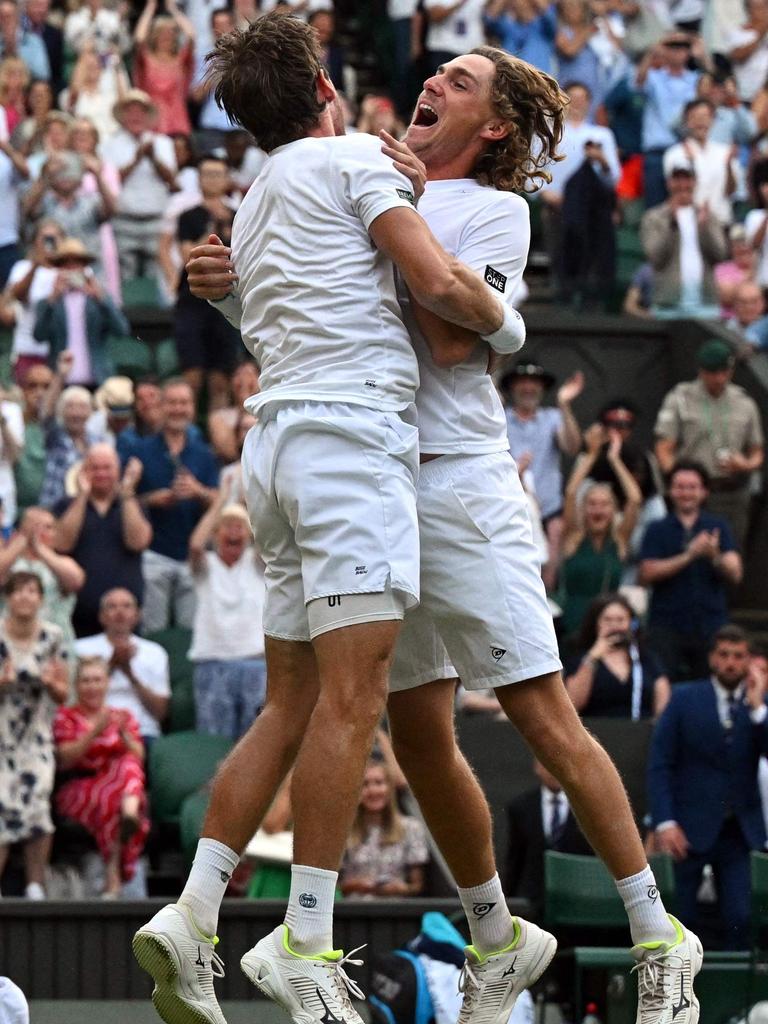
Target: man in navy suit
column 702, row 781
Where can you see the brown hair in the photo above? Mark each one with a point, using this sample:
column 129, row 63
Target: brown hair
column 17, row 580
column 729, row 634
column 91, row 661
column 264, row 78
column 532, row 105
column 392, row 825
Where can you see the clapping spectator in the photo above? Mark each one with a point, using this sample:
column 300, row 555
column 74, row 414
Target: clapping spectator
column 595, row 539
column 615, row 675
column 31, row 549
column 213, row 123
column 39, row 104
column 29, row 468
column 78, row 317
column 94, row 89
column 147, row 166
column 688, row 559
column 33, row 680
column 748, row 50
column 68, row 436
column 714, row 422
column 452, row 29
column 139, row 680
column 714, row 164
column 105, row 530
column 84, row 139
column 525, row 28
column 227, row 639
column 683, row 242
column 177, row 485
column 147, row 417
column 164, row 64
column 387, row 851
column 31, row 281
column 53, row 141
column 576, row 59
column 13, row 170
column 97, row 26
column 14, row 79
column 99, row 749
column 11, row 446
column 734, row 124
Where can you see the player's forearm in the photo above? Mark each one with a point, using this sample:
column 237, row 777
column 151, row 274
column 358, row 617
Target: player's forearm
column 461, row 297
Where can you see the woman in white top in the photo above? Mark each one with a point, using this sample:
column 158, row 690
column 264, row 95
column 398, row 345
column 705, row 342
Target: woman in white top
column 94, row 90
column 31, row 280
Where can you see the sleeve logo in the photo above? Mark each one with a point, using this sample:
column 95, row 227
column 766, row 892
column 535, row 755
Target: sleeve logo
column 406, row 195
column 495, row 278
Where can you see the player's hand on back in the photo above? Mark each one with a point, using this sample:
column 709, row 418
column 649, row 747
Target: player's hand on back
column 210, row 272
column 406, row 162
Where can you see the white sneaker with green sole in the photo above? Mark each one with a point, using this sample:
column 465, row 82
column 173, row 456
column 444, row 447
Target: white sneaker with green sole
column 665, row 973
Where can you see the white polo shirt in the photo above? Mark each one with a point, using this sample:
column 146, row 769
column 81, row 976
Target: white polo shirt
column 459, row 408
column 319, row 308
column 150, row 666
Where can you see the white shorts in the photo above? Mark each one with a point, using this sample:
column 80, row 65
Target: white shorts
column 331, row 493
column 483, row 605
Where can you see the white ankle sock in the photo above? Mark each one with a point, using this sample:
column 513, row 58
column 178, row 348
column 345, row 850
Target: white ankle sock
column 491, row 925
column 648, row 921
column 208, row 880
column 309, row 916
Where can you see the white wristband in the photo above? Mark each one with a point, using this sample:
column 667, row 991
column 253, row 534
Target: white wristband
column 510, row 337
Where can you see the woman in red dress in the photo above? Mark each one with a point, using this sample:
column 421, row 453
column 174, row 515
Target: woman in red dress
column 164, row 64
column 102, row 746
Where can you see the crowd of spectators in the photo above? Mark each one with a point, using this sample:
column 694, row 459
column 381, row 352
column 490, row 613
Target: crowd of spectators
column 122, row 505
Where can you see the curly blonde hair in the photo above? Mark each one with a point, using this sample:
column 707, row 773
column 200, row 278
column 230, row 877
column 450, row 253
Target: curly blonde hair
column 532, row 105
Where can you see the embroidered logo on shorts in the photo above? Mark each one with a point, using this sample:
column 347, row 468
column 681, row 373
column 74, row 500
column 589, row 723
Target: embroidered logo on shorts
column 495, row 278
column 308, row 901
column 406, row 195
column 481, row 909
column 497, row 653
column 370, row 383
column 361, row 570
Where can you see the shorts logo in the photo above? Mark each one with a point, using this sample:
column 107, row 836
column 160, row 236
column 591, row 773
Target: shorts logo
column 495, row 278
column 308, row 901
column 406, row 195
column 653, row 893
column 481, row 909
column 497, row 653
column 361, row 570
column 335, row 601
column 371, row 383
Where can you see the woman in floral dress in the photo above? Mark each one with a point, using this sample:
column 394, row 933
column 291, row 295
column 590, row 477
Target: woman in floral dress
column 33, row 680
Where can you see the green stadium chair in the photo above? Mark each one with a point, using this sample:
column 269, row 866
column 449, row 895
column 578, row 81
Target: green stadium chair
column 176, row 641
column 581, row 894
column 759, row 908
column 131, row 356
column 179, row 765
column 166, row 359
column 141, row 291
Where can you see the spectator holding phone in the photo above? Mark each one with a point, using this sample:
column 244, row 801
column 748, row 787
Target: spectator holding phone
column 616, row 675
column 31, row 280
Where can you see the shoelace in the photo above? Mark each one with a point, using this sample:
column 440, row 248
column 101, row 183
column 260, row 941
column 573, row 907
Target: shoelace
column 469, row 987
column 216, row 966
column 349, row 984
column 652, row 979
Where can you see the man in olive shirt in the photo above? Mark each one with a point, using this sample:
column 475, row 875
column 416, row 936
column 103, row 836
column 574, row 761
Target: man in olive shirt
column 29, row 468
column 712, row 421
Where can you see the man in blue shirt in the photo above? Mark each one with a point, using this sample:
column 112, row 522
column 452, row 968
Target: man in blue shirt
column 688, row 559
column 667, row 84
column 177, row 485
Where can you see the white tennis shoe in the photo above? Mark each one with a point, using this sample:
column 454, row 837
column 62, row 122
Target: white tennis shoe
column 492, row 982
column 665, row 973
column 312, row 990
column 183, row 962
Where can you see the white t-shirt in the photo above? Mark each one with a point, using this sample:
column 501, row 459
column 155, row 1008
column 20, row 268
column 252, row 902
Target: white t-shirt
column 459, row 408
column 710, row 163
column 230, row 609
column 398, row 9
column 575, row 137
column 691, row 263
column 319, row 309
column 459, row 32
column 750, row 74
column 752, row 225
column 24, row 342
column 9, row 204
column 150, row 666
column 143, row 192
